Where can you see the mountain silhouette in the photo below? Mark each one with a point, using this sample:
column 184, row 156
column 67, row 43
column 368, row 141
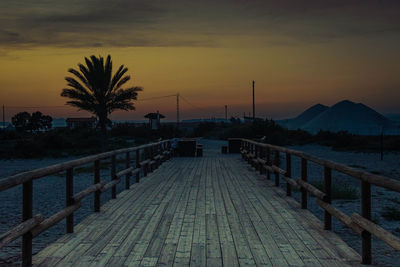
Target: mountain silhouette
column 355, row 118
column 306, row 116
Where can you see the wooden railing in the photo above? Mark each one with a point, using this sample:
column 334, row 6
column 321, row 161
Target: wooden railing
column 148, row 157
column 259, row 155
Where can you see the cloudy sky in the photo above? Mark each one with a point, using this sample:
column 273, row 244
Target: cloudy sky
column 299, row 53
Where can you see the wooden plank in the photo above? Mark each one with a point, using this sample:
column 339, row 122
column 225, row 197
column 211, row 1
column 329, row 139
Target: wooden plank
column 183, row 250
column 259, row 253
column 323, row 243
column 198, row 253
column 313, row 245
column 228, row 250
column 99, row 229
column 263, row 246
column 209, row 211
column 168, row 251
column 286, row 240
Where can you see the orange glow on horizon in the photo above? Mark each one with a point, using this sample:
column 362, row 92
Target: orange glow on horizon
column 288, row 79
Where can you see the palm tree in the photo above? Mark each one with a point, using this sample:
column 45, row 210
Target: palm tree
column 96, row 90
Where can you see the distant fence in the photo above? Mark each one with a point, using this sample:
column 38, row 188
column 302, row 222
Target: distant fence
column 148, row 157
column 266, row 157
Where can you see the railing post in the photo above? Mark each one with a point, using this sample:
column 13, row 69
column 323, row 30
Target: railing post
column 288, row 173
column 97, row 180
column 366, row 213
column 254, row 163
column 262, row 156
column 137, row 165
column 27, row 213
column 328, row 199
column 276, row 163
column 304, row 178
column 113, row 177
column 128, row 175
column 145, row 157
column 69, row 199
column 268, row 163
column 150, row 157
column 252, row 152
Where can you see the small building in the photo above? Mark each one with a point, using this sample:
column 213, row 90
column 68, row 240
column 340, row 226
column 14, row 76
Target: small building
column 154, row 120
column 75, row 123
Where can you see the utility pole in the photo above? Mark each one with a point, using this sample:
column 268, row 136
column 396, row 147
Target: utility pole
column 254, row 105
column 177, row 110
column 381, row 143
column 226, row 112
column 4, row 118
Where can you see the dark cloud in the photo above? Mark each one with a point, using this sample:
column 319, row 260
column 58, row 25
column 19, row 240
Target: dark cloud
column 127, row 23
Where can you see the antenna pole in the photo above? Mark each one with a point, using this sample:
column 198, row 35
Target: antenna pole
column 177, row 110
column 254, row 105
column 4, row 118
column 226, row 112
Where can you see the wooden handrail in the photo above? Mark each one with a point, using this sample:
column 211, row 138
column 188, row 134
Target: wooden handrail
column 54, row 219
column 34, row 225
column 20, row 229
column 374, row 179
column 376, row 230
column 23, row 177
column 81, row 195
column 346, row 220
column 361, row 224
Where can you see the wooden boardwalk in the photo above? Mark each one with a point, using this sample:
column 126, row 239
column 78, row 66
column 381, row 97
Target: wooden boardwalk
column 210, row 211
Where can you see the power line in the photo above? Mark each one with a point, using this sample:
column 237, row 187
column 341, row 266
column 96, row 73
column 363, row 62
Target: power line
column 38, row 106
column 156, row 97
column 193, row 105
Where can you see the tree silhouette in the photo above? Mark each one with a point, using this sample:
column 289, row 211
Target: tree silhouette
column 96, row 90
column 24, row 121
column 39, row 121
column 21, row 121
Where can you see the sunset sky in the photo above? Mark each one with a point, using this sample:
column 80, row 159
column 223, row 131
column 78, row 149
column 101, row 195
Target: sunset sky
column 299, row 53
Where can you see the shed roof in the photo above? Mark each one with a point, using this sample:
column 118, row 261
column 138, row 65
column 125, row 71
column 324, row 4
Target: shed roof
column 154, row 116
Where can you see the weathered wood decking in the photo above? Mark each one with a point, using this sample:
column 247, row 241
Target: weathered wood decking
column 210, row 211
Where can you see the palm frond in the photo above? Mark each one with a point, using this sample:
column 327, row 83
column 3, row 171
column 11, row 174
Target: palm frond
column 79, row 76
column 117, row 76
column 122, row 82
column 108, row 71
column 97, row 90
column 81, row 106
column 76, row 85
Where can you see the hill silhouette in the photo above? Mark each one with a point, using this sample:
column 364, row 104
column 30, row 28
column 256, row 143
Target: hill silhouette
column 355, row 118
column 306, row 116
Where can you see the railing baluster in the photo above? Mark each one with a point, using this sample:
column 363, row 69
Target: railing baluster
column 262, row 156
column 268, row 162
column 69, row 199
column 97, row 180
column 27, row 213
column 113, row 176
column 304, row 178
column 276, row 163
column 366, row 213
column 288, row 173
column 255, row 163
column 128, row 175
column 328, row 199
column 137, row 165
